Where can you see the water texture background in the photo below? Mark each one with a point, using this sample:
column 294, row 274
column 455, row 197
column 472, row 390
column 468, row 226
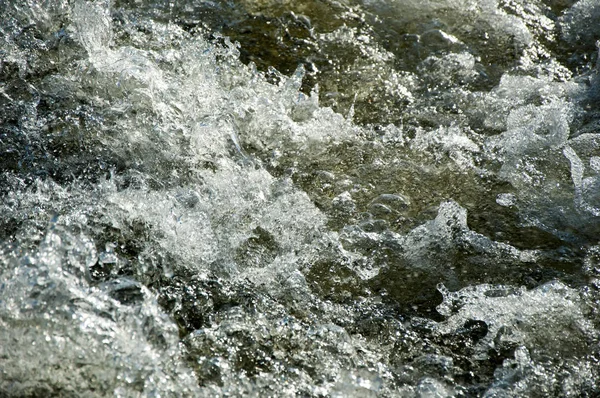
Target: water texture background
column 366, row 198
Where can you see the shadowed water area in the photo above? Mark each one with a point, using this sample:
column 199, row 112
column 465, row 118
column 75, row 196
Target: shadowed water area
column 374, row 198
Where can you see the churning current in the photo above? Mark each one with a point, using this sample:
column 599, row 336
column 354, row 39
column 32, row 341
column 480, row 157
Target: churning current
column 308, row 198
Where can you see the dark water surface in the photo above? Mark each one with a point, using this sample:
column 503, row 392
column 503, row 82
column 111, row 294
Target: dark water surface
column 315, row 198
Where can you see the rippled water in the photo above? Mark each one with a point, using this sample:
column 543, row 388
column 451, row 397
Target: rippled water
column 309, row 198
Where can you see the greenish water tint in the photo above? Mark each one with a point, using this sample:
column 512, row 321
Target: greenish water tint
column 308, row 198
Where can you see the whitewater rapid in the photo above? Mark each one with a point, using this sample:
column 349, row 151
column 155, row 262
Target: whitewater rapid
column 311, row 198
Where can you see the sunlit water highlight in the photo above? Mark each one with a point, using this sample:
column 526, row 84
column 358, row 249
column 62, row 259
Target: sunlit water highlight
column 308, row 198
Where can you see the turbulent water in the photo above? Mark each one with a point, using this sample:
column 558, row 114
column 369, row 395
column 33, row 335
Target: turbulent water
column 312, row 198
